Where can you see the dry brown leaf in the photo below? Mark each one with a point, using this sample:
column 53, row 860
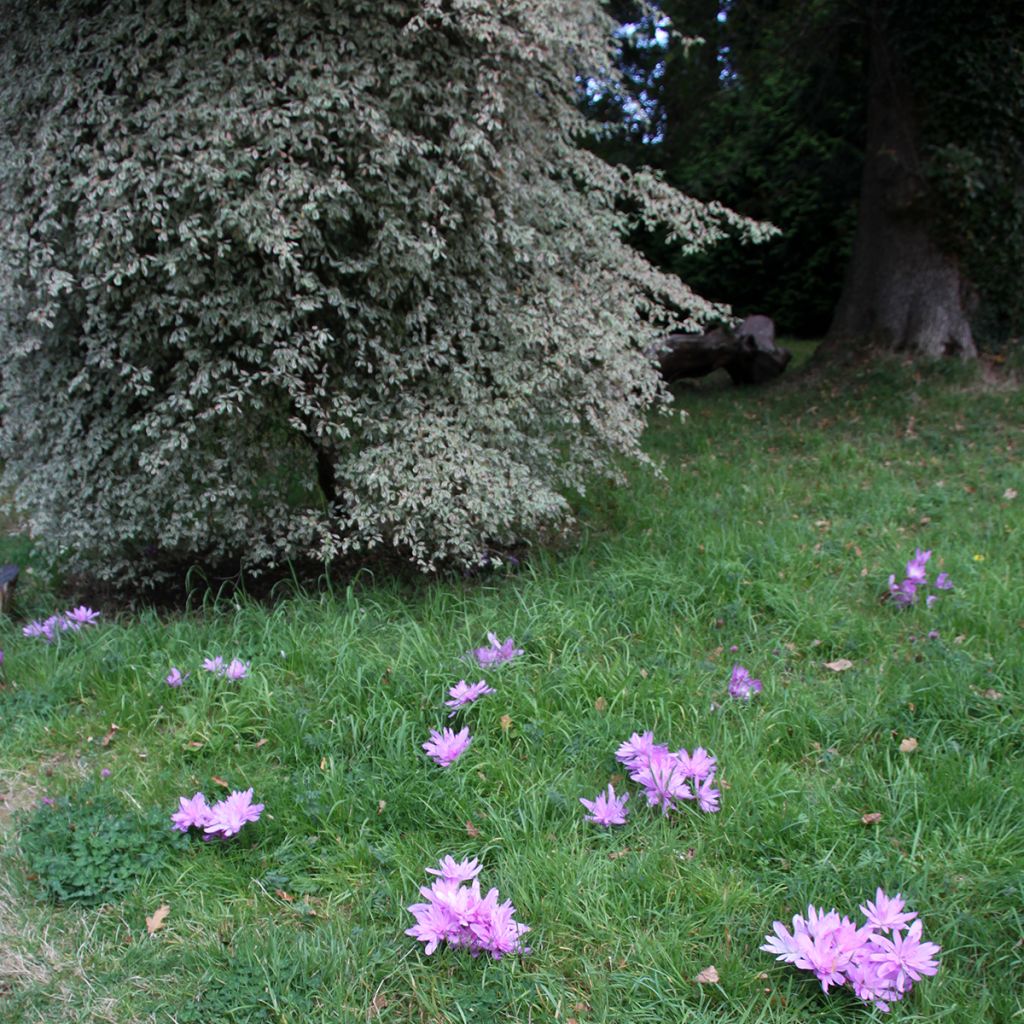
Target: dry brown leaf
column 643, row 673
column 220, row 782
column 871, row 819
column 506, row 723
column 908, row 745
column 259, row 743
column 156, row 921
column 991, row 694
column 709, row 976
column 841, row 665
column 195, row 745
column 282, row 895
column 1009, row 494
column 105, row 742
column 381, row 804
column 471, row 830
column 323, row 764
column 600, row 704
column 378, row 1003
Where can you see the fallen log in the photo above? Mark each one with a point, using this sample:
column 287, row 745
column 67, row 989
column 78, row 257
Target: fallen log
column 749, row 354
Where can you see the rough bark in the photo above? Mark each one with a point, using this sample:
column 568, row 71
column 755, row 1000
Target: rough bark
column 903, row 291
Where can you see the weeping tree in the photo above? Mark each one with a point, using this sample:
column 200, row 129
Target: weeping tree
column 297, row 279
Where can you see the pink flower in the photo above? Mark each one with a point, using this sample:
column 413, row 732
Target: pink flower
column 81, row 616
column 885, row 913
column 707, row 797
column 192, row 812
column 699, row 766
column 446, row 747
column 215, row 665
column 905, row 958
column 227, row 816
column 606, row 809
column 497, row 652
column 664, row 781
column 462, row 694
column 456, row 872
column 916, row 571
column 943, row 582
column 638, row 750
column 237, row 669
column 175, row 678
column 105, row 773
column 741, row 685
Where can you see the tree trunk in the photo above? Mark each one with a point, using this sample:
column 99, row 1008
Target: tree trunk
column 902, row 290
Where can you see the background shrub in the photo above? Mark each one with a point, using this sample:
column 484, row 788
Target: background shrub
column 295, row 279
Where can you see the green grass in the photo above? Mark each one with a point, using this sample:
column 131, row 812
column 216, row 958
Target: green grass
column 778, row 517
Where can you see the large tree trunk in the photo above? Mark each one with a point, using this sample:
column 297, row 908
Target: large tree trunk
column 903, row 291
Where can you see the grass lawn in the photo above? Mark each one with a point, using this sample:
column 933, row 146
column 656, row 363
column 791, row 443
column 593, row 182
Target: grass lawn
column 780, row 514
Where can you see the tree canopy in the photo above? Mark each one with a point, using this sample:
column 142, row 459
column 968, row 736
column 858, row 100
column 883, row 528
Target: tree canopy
column 307, row 278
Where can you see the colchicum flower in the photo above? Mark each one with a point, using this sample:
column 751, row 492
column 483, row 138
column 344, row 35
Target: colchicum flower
column 606, row 809
column 227, row 816
column 214, row 665
column 880, row 969
column 741, row 685
column 447, row 746
column 456, row 913
column 669, row 778
column 462, row 693
column 905, row 592
column 497, row 652
column 192, row 812
column 237, row 669
column 175, row 678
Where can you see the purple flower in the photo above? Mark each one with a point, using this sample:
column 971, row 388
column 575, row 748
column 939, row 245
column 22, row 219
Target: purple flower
column 497, row 652
column 227, row 816
column 885, row 914
column 665, row 782
column 462, row 693
column 48, row 628
column 943, row 582
column 916, row 571
column 81, row 616
column 105, row 773
column 456, row 913
column 48, row 800
column 447, row 746
column 237, row 669
column 175, row 678
column 707, row 796
column 214, row 665
column 638, row 750
column 192, row 812
column 699, row 766
column 905, row 958
column 456, row 871
column 606, row 809
column 904, row 593
column 741, row 685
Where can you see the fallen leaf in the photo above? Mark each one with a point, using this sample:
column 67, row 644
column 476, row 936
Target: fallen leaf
column 618, row 854
column 600, row 704
column 839, row 666
column 282, row 895
column 156, row 921
column 259, row 743
column 871, row 819
column 471, row 830
column 643, row 673
column 506, row 723
column 105, row 742
column 323, row 764
column 709, row 976
column 908, row 745
column 220, row 781
column 1009, row 494
column 378, row 1003
column 381, row 804
column 991, row 694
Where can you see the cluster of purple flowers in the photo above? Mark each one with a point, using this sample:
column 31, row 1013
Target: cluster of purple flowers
column 905, row 594
column 455, row 912
column 234, row 670
column 221, row 821
column 667, row 778
column 879, row 960
column 741, row 686
column 73, row 619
